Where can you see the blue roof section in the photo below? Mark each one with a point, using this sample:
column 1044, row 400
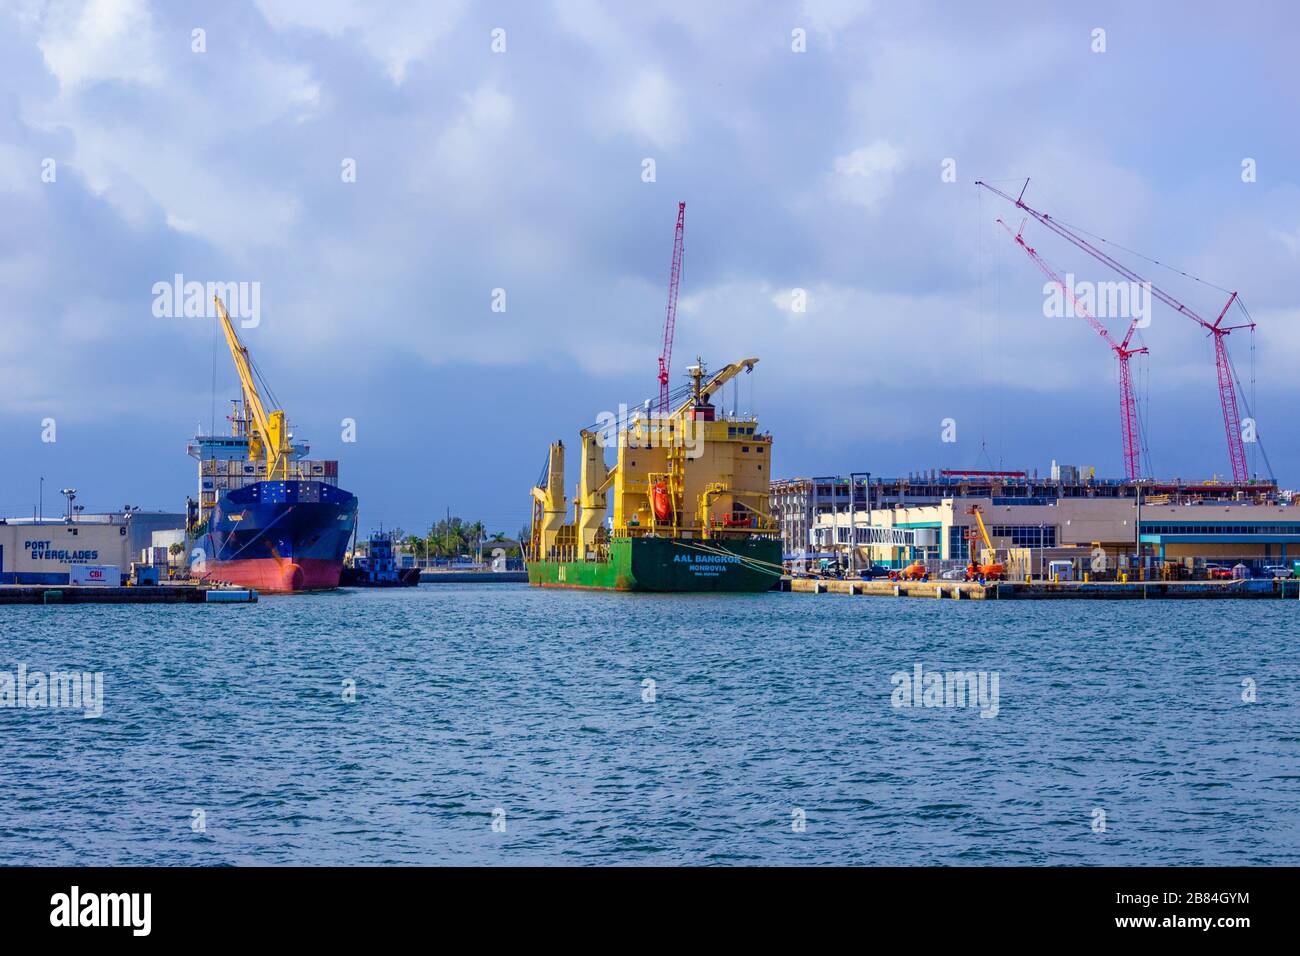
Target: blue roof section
column 1197, row 538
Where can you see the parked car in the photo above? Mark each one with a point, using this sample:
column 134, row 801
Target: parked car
column 1277, row 571
column 873, row 572
column 953, row 574
column 1217, row 572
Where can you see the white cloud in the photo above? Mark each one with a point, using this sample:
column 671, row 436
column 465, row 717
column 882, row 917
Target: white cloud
column 396, row 34
column 866, row 175
column 830, row 16
column 165, row 159
column 590, row 22
column 853, row 337
column 98, row 41
column 650, row 108
column 20, row 172
column 468, row 144
column 1290, row 241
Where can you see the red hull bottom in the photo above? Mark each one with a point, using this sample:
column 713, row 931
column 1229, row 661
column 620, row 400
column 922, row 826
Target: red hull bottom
column 272, row 576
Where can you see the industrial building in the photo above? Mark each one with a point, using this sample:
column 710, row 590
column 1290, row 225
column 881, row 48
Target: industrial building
column 42, row 550
column 1070, row 516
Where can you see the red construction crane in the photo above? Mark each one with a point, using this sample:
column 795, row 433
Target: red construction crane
column 1127, row 404
column 670, row 319
column 1227, row 388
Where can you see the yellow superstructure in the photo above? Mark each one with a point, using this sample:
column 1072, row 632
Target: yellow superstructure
column 690, row 474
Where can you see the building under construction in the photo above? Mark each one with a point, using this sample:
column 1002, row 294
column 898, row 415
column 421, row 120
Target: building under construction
column 1070, row 515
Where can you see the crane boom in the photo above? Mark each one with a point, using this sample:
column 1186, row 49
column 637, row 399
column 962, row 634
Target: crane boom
column 979, row 520
column 1128, row 404
column 670, row 317
column 1223, row 366
column 719, row 379
column 269, row 436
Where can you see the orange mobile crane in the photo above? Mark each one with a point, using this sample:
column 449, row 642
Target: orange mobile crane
column 993, row 571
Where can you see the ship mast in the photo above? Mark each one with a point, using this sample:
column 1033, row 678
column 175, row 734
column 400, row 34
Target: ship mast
column 701, row 391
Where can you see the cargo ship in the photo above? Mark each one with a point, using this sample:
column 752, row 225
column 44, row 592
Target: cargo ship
column 690, row 510
column 266, row 517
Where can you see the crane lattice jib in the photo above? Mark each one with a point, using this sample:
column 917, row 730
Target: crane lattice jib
column 1128, row 418
column 1127, row 403
column 1227, row 393
column 670, row 317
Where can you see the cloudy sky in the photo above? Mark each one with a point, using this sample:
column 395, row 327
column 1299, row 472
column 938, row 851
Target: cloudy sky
column 128, row 156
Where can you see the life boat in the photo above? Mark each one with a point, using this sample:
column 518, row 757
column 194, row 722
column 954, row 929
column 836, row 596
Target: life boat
column 660, row 501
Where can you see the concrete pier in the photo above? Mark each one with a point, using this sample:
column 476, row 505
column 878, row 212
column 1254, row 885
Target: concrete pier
column 1045, row 590
column 156, row 594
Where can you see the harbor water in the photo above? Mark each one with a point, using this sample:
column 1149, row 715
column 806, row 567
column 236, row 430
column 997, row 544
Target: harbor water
column 498, row 724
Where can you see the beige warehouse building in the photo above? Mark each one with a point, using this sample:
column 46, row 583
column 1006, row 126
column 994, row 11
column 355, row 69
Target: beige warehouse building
column 42, row 550
column 1063, row 518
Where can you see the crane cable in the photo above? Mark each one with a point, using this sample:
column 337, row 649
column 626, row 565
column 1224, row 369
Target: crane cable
column 1257, row 442
column 1134, row 252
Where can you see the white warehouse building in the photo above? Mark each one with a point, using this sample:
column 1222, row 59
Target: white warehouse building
column 43, row 550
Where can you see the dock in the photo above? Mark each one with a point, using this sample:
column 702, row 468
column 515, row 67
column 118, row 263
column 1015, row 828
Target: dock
column 151, row 594
column 1048, row 590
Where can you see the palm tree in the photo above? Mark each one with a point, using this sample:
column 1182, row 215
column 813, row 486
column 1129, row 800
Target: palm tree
column 474, row 533
column 414, row 545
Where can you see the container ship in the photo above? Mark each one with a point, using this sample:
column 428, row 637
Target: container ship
column 690, row 508
column 266, row 516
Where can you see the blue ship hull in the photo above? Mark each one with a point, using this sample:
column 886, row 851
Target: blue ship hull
column 280, row 536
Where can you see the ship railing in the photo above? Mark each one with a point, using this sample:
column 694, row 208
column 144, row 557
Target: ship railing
column 572, row 553
column 698, row 531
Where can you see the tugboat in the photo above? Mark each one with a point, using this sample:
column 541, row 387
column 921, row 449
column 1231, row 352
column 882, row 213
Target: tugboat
column 377, row 568
column 690, row 509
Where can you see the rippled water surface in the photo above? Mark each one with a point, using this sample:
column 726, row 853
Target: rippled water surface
column 766, row 710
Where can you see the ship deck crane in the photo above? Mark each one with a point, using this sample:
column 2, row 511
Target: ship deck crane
column 269, row 435
column 702, row 391
column 1216, row 328
column 670, row 317
column 1127, row 404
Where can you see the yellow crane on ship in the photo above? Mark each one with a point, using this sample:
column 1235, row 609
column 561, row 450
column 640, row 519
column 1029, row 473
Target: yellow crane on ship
column 268, row 432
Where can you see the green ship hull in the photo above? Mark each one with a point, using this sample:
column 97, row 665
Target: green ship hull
column 669, row 564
